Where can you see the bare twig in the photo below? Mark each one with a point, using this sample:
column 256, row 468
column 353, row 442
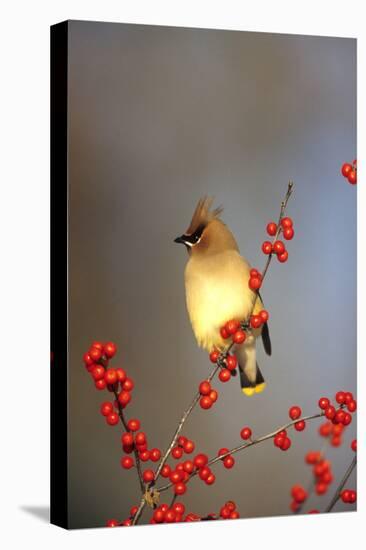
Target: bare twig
column 343, row 482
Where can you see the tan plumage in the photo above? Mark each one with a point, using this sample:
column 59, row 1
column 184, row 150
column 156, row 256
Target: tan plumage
column 216, row 282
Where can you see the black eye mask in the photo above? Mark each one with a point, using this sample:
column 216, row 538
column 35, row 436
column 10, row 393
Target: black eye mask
column 194, row 237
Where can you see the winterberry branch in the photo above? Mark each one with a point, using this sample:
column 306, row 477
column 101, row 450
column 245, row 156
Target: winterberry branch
column 220, row 360
column 338, row 492
column 124, row 423
column 249, row 443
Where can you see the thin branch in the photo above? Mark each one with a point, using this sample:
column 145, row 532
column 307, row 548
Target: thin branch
column 343, row 482
column 248, row 444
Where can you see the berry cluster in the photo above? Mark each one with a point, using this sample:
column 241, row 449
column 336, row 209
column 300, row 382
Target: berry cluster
column 278, row 247
column 322, row 471
column 232, row 329
column 349, row 171
column 132, row 441
column 208, row 394
column 338, row 416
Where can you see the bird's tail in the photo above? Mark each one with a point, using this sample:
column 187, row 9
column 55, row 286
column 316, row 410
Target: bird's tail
column 251, row 378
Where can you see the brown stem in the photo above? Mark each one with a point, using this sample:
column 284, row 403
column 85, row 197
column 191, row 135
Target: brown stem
column 343, row 482
column 248, row 444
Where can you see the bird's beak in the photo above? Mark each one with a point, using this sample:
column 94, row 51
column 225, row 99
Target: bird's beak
column 179, row 240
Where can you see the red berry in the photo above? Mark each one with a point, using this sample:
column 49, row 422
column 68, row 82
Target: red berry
column 180, row 488
column 336, row 441
column 88, row 360
column 347, row 419
column 127, row 462
column 170, row 516
column 124, row 397
column 232, row 326
column 339, row 417
column 264, row 315
column 282, row 258
column 299, row 494
column 294, row 412
column 179, row 508
column 144, row 455
column 228, row 462
column 110, row 349
column 231, row 362
column 106, row 408
column 148, row 475
column 312, row 457
column 133, row 510
column 267, row 247
column 205, row 402
column 224, row 333
column 352, row 406
column 127, row 439
column 346, row 169
column 224, row 375
column 286, row 444
column 246, row 433
column 330, row 412
column 211, row 479
column 121, row 375
column 354, row 445
column 112, row 419
column 189, row 446
column 182, row 440
column 176, row 476
column 213, row 396
column 140, row 438
column 345, row 495
column 159, row 515
column 352, row 177
column 95, row 353
column 278, row 247
column 133, row 424
column 128, row 384
column 321, row 488
column 204, row 472
column 188, row 466
column 348, row 396
column 239, row 337
column 300, row 426
column 98, row 372
column 225, row 512
column 323, row 403
column 325, row 429
column 155, row 454
column 234, row 514
column 340, row 397
column 286, row 223
column 352, row 496
column 288, row 233
column 166, row 470
column 177, row 452
column 214, row 355
column 255, row 321
column 110, row 376
column 222, row 451
column 200, row 460
column 278, row 440
column 255, row 273
column 255, row 283
column 272, row 229
column 112, row 523
column 204, row 388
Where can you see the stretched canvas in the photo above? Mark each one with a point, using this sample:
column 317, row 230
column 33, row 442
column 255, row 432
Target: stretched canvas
column 203, row 188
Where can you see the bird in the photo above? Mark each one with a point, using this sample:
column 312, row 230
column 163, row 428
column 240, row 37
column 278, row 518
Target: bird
column 216, row 288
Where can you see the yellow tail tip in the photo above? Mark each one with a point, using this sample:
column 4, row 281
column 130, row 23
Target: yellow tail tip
column 251, row 391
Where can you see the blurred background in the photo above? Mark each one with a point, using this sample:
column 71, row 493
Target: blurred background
column 159, row 117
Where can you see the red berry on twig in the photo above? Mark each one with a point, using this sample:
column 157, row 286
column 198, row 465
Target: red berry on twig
column 246, row 433
column 267, row 247
column 294, row 412
column 272, row 229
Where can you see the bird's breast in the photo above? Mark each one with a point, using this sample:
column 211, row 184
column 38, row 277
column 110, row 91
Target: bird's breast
column 216, row 291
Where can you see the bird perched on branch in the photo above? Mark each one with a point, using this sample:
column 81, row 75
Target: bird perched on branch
column 216, row 283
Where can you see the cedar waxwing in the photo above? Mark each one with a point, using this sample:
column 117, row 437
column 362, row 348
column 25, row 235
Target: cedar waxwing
column 216, row 283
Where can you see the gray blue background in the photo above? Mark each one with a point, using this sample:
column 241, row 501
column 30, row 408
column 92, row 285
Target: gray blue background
column 158, row 117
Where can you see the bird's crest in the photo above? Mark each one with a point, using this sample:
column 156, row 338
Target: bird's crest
column 203, row 215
